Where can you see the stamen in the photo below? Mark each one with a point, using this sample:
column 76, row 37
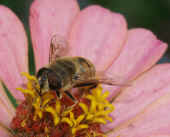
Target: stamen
column 55, row 112
column 99, row 108
column 23, row 123
column 75, row 123
column 48, row 116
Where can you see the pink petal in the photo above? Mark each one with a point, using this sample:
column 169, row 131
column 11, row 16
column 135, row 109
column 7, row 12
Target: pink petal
column 9, row 72
column 13, row 36
column 154, row 119
column 47, row 18
column 4, row 132
column 160, row 135
column 4, row 98
column 6, row 114
column 98, row 35
column 13, row 49
column 143, row 91
column 142, row 50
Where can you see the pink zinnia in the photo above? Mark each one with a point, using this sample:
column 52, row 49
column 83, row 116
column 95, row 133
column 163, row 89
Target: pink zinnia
column 141, row 109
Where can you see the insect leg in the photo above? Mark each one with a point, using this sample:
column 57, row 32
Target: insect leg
column 70, row 95
column 59, row 95
column 86, row 83
column 85, row 86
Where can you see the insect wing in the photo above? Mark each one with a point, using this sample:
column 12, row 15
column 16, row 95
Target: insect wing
column 101, row 79
column 110, row 79
column 112, row 82
column 58, row 47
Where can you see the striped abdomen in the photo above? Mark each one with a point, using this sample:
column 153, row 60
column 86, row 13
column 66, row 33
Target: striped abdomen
column 70, row 70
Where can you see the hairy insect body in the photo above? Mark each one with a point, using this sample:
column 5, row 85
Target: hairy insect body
column 72, row 70
column 65, row 73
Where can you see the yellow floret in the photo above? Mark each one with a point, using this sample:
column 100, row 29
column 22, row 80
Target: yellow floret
column 27, row 91
column 97, row 111
column 55, row 112
column 75, row 124
column 99, row 108
column 38, row 102
column 94, row 134
column 23, row 123
column 32, row 80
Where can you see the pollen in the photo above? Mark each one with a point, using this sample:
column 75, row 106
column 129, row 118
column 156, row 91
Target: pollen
column 48, row 116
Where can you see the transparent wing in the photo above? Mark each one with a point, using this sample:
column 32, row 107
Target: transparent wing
column 112, row 82
column 58, row 47
column 111, row 79
column 101, row 78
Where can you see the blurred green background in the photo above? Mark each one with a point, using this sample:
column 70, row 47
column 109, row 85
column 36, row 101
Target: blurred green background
column 150, row 14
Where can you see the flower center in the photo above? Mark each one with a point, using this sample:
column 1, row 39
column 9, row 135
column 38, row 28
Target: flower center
column 47, row 116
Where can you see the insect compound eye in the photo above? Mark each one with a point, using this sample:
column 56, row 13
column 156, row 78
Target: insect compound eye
column 41, row 81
